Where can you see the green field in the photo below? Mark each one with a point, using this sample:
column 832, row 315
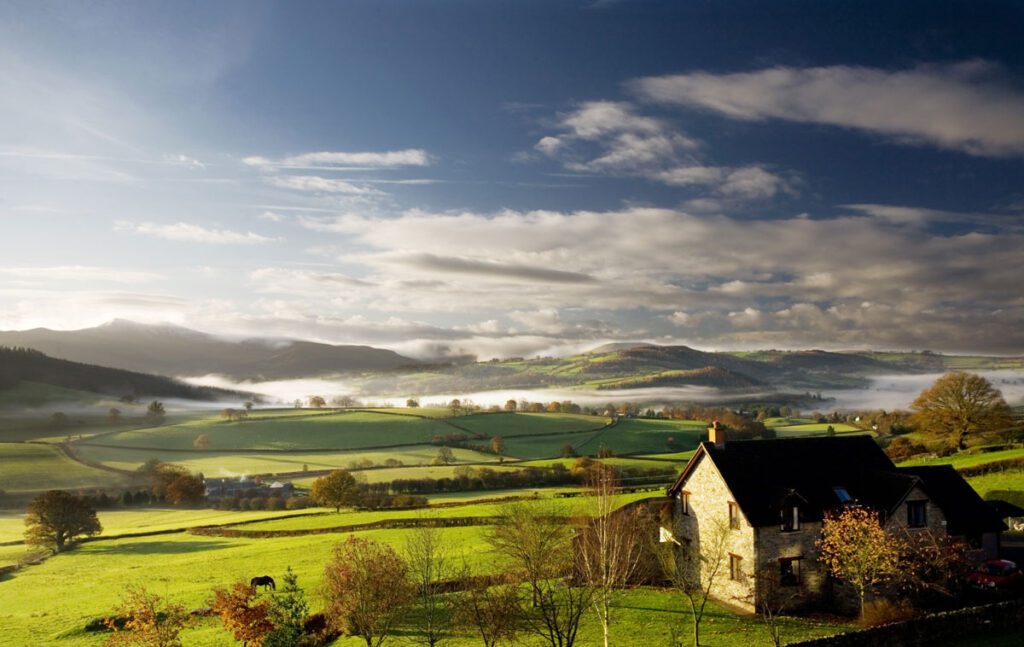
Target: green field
column 32, row 467
column 516, row 424
column 348, row 430
column 642, row 436
column 972, row 459
column 814, row 429
column 228, row 463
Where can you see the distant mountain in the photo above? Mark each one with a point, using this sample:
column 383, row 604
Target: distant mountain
column 173, row 350
column 21, row 366
column 615, row 346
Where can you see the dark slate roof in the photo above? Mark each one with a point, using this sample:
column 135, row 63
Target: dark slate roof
column 1005, row 509
column 764, row 474
column 966, row 512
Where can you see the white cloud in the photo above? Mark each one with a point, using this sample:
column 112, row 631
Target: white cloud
column 611, row 138
column 966, row 107
column 79, row 273
column 183, row 231
column 317, row 184
column 328, row 159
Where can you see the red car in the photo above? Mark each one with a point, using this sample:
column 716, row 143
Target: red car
column 996, row 574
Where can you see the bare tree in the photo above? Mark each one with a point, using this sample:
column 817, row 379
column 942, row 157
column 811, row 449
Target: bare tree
column 610, row 547
column 430, row 567
column 538, row 545
column 769, row 597
column 695, row 570
column 492, row 609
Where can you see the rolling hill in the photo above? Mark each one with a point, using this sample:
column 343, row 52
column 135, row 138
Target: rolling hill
column 173, row 350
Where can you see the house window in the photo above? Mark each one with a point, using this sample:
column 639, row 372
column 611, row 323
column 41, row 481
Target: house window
column 734, row 567
column 789, row 571
column 684, row 501
column 790, row 519
column 917, row 514
column 734, row 516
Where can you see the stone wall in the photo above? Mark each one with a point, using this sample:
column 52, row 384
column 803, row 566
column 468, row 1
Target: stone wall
column 709, row 515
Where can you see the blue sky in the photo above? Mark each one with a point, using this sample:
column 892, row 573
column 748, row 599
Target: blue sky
column 515, row 178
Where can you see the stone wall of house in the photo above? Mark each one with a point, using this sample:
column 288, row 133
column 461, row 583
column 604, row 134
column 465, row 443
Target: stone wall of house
column 709, row 515
column 936, row 520
column 774, row 545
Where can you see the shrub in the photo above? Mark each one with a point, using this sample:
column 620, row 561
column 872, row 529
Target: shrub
column 882, row 612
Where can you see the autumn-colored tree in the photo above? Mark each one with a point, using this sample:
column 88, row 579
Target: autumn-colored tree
column 855, row 548
column 202, row 441
column 498, row 447
column 455, row 407
column 145, row 619
column 162, row 475
column 56, row 518
column 510, row 405
column 317, row 402
column 337, row 489
column 960, row 404
column 554, row 407
column 931, row 564
column 187, row 488
column 610, row 547
column 537, row 547
column 412, row 403
column 244, row 613
column 367, row 589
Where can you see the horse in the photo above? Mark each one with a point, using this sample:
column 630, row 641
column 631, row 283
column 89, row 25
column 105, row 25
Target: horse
column 263, row 580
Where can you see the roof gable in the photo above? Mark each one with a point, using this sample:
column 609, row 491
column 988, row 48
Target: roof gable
column 966, row 512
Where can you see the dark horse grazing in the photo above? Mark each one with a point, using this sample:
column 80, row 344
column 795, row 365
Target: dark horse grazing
column 264, row 581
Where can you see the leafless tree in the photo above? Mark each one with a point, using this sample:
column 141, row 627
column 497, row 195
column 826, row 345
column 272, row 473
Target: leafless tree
column 609, row 548
column 538, row 546
column 430, row 567
column 491, row 608
column 695, row 570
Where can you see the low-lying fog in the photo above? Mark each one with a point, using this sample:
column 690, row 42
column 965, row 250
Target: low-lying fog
column 884, row 392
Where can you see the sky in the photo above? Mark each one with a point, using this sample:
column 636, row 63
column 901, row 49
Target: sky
column 518, row 178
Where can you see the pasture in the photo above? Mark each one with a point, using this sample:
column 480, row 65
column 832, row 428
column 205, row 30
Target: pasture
column 26, row 467
column 644, row 436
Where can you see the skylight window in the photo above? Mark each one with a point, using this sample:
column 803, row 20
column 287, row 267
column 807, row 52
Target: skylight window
column 842, row 494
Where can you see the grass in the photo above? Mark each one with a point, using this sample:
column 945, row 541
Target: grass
column 130, row 520
column 642, row 436
column 1009, row 480
column 34, row 394
column 228, row 463
column 34, row 468
column 515, row 424
column 347, row 430
column 814, row 429
column 972, row 459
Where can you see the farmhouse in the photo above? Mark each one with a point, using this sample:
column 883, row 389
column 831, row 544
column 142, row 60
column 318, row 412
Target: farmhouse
column 764, row 501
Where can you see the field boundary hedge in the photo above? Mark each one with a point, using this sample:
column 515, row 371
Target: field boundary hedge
column 410, row 522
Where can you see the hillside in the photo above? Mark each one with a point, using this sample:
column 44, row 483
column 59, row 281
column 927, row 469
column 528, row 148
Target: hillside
column 25, row 368
column 173, row 350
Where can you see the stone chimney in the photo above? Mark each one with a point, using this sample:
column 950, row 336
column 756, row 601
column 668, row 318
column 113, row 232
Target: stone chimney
column 716, row 434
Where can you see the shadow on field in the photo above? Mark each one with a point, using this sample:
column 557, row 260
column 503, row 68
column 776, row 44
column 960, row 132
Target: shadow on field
column 158, row 547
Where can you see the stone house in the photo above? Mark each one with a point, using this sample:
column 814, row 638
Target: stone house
column 766, row 499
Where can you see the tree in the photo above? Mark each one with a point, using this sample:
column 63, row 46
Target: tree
column 493, row 610
column 538, row 549
column 162, row 475
column 243, row 613
column 412, row 403
column 248, row 406
column 455, row 407
column 430, row 566
column 445, row 456
column 56, row 518
column 317, row 402
column 366, row 589
column 202, row 441
column 144, row 618
column 510, row 405
column 114, row 415
column 155, row 412
column 59, row 420
column 288, row 611
column 695, row 570
column 498, row 447
column 186, row 488
column 610, row 547
column 337, row 489
column 568, row 451
column 960, row 404
column 854, row 547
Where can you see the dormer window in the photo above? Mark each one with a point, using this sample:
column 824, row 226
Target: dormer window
column 842, row 494
column 790, row 518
